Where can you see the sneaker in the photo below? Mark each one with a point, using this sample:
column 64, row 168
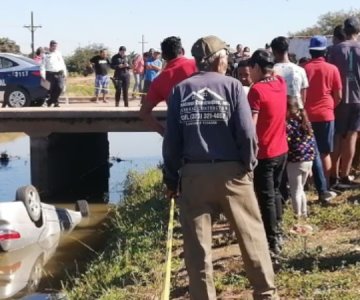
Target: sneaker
column 327, row 196
column 345, row 183
column 333, row 181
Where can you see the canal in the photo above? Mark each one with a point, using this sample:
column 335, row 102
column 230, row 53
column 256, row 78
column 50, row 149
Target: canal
column 43, row 268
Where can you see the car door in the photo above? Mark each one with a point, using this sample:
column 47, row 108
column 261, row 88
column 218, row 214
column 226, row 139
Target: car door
column 6, row 68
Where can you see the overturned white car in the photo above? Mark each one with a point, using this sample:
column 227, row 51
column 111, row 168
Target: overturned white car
column 27, row 221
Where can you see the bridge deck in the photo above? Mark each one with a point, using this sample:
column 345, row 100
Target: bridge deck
column 73, row 118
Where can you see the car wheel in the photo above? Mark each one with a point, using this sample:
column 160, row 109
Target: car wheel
column 17, row 97
column 83, row 207
column 31, row 199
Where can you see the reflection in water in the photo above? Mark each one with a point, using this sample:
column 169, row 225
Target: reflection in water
column 21, row 270
column 42, row 266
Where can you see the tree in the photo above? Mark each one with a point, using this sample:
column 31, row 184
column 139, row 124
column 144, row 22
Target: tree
column 131, row 56
column 7, row 45
column 326, row 23
column 79, row 61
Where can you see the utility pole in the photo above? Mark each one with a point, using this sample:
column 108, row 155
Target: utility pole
column 32, row 29
column 143, row 44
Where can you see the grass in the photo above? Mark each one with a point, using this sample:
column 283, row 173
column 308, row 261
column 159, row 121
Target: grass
column 131, row 263
column 325, row 265
column 84, row 86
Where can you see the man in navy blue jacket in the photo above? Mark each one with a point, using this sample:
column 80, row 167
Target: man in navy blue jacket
column 211, row 140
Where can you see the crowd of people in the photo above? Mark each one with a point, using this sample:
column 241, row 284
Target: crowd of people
column 244, row 132
column 237, row 143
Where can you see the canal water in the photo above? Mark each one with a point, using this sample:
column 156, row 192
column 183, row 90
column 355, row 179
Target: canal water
column 41, row 268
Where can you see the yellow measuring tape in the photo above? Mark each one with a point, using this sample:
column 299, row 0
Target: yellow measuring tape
column 165, row 295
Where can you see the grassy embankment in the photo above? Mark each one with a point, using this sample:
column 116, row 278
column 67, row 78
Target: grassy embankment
column 325, row 265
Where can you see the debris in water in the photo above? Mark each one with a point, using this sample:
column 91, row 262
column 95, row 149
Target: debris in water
column 116, row 159
column 4, row 158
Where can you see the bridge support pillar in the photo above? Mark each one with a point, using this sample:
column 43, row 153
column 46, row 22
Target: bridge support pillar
column 68, row 166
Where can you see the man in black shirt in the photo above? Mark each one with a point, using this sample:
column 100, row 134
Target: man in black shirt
column 120, row 63
column 101, row 64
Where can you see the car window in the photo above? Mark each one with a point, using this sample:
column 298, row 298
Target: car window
column 27, row 59
column 6, row 63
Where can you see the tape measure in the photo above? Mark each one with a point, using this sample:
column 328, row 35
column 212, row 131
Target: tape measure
column 165, row 295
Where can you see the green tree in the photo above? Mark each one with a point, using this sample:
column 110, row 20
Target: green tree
column 79, row 61
column 131, row 56
column 7, row 45
column 326, row 23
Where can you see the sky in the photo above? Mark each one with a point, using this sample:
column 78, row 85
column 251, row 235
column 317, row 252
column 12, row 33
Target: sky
column 114, row 22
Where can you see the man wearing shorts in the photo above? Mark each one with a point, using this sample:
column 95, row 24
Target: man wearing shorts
column 346, row 56
column 101, row 64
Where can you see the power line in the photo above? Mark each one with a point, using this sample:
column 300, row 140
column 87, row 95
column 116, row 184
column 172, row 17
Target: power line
column 32, row 29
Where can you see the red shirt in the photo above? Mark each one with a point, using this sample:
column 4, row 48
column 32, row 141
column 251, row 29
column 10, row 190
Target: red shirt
column 324, row 80
column 268, row 98
column 176, row 70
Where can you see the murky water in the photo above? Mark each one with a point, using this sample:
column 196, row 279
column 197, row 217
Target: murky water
column 42, row 267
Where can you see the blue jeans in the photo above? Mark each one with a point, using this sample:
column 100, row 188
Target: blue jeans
column 137, row 84
column 318, row 173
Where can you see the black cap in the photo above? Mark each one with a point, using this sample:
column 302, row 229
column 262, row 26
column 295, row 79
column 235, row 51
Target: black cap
column 122, row 48
column 352, row 25
column 52, row 42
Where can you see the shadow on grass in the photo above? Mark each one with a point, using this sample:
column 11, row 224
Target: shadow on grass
column 330, row 263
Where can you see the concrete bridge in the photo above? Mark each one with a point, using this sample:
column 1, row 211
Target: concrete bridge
column 69, row 148
column 76, row 119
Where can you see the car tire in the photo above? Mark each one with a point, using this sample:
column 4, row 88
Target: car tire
column 17, row 97
column 83, row 207
column 31, row 199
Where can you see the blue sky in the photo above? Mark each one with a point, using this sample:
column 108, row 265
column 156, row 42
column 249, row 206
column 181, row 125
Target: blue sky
column 114, row 23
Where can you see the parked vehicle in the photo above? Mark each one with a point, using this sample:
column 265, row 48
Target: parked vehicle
column 27, row 221
column 21, row 81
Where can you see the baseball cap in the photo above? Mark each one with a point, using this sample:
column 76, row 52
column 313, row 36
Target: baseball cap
column 122, row 48
column 318, row 42
column 353, row 24
column 52, row 42
column 206, row 46
column 157, row 50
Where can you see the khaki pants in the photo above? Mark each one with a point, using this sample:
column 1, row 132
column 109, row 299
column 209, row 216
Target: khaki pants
column 206, row 188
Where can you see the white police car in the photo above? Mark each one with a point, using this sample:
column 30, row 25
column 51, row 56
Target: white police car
column 21, row 81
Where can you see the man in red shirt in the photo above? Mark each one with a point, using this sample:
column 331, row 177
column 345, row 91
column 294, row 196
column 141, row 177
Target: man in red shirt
column 268, row 102
column 177, row 69
column 323, row 95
